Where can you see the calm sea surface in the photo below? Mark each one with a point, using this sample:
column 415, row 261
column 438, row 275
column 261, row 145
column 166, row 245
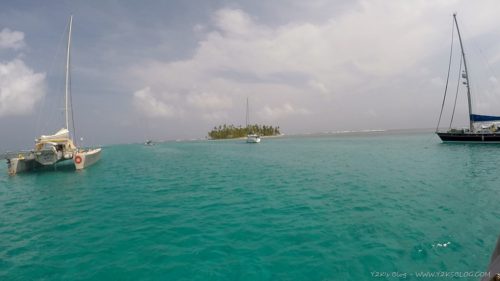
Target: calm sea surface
column 337, row 207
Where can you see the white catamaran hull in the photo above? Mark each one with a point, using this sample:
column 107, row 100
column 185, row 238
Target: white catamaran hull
column 17, row 165
column 86, row 158
column 81, row 160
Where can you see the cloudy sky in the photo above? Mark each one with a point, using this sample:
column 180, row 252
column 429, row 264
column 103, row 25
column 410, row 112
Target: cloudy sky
column 174, row 69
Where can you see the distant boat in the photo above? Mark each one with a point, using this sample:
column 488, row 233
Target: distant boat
column 251, row 137
column 482, row 128
column 149, row 143
column 51, row 149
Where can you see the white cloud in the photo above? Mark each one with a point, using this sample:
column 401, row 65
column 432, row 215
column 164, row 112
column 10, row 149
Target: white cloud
column 20, row 88
column 371, row 113
column 209, row 101
column 329, row 56
column 11, row 39
column 329, row 66
column 282, row 111
column 199, row 28
column 438, row 81
column 147, row 103
column 234, row 22
column 318, row 86
column 216, row 116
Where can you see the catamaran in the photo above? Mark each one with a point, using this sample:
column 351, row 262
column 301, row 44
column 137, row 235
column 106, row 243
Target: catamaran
column 51, row 149
column 482, row 128
column 251, row 137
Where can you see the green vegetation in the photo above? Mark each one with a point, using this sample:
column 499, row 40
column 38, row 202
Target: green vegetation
column 231, row 132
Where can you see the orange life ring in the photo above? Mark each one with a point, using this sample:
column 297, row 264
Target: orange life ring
column 78, row 159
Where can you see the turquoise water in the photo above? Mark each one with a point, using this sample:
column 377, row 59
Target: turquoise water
column 293, row 208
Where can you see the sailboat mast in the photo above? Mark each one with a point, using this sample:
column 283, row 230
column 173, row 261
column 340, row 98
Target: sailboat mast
column 471, row 125
column 247, row 119
column 67, row 72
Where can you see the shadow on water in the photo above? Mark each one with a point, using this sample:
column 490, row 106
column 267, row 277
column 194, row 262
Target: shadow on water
column 64, row 167
column 473, row 150
column 471, row 147
column 475, row 157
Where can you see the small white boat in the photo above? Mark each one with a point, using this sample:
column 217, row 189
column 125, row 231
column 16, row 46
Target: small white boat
column 253, row 138
column 51, row 149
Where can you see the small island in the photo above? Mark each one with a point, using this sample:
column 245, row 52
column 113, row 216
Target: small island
column 232, row 132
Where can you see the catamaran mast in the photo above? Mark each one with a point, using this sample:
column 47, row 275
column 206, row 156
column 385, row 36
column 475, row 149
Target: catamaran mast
column 471, row 125
column 67, row 72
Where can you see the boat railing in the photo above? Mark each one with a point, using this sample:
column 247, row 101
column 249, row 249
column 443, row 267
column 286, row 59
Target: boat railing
column 16, row 154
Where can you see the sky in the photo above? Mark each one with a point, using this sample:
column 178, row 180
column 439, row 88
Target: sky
column 166, row 70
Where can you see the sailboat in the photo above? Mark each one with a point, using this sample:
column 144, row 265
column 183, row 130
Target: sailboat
column 52, row 149
column 251, row 137
column 482, row 128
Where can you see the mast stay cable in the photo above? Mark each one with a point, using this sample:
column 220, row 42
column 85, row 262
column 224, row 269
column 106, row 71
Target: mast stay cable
column 447, row 76
column 456, row 93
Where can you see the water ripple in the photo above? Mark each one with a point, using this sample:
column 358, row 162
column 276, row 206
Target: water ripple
column 317, row 208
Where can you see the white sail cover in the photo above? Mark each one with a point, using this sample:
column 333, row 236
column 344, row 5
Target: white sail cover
column 61, row 134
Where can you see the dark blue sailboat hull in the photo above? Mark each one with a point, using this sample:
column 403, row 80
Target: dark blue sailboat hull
column 469, row 137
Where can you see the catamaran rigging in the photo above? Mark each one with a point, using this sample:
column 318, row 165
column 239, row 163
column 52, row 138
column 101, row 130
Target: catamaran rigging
column 51, row 149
